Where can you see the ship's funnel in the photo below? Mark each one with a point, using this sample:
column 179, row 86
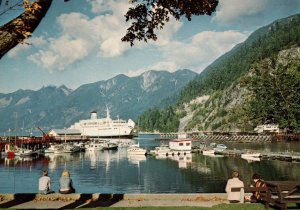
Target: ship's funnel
column 93, row 115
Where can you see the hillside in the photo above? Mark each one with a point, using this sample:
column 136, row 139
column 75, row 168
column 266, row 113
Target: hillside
column 233, row 100
column 59, row 107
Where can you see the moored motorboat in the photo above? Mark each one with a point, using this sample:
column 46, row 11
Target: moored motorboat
column 25, row 152
column 251, row 159
column 51, row 148
column 220, row 148
column 208, row 152
column 110, row 146
column 251, row 154
column 94, row 146
column 162, row 150
column 136, row 150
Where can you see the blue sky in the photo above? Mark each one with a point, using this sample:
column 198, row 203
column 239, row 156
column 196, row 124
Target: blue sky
column 78, row 42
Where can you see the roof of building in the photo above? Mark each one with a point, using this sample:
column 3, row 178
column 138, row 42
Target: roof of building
column 66, row 131
column 180, row 140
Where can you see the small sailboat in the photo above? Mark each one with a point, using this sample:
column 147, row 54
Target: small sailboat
column 22, row 152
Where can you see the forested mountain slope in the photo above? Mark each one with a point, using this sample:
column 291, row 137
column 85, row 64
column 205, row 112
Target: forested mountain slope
column 256, row 82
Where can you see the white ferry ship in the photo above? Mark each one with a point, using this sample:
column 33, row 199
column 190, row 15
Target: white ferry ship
column 104, row 127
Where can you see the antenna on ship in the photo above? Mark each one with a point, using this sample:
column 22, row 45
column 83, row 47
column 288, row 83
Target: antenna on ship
column 107, row 112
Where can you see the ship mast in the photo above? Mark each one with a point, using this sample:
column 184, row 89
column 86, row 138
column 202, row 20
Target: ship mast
column 107, row 113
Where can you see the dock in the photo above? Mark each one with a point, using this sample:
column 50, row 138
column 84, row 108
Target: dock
column 282, row 156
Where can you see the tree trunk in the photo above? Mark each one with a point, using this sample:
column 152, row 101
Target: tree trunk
column 18, row 29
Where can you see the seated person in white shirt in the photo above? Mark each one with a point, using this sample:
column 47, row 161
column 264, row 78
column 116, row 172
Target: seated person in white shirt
column 235, row 196
column 45, row 184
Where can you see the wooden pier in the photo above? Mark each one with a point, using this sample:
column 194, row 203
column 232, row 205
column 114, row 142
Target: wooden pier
column 239, row 137
column 282, row 156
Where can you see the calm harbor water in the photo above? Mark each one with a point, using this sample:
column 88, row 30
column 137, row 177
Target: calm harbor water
column 117, row 172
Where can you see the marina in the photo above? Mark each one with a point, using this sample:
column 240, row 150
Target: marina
column 120, row 171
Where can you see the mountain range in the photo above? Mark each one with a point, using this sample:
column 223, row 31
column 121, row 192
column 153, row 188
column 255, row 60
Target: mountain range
column 59, row 107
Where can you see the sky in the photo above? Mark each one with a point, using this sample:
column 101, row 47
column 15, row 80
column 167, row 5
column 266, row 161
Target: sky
column 79, row 42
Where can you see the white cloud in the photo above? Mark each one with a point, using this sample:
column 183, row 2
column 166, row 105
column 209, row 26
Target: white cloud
column 165, row 35
column 61, row 53
column 230, row 11
column 196, row 53
column 82, row 36
column 32, row 41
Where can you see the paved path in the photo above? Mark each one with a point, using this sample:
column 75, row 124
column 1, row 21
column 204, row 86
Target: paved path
column 71, row 201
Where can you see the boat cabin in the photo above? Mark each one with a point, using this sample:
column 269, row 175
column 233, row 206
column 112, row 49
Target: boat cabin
column 267, row 128
column 180, row 144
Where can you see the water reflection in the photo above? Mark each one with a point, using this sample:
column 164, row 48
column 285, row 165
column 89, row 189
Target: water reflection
column 136, row 159
column 251, row 159
column 118, row 172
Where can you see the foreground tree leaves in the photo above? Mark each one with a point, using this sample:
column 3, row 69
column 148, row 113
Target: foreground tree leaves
column 150, row 15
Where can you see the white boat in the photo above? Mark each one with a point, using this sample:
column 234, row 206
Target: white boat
column 94, row 146
column 104, row 127
column 208, row 152
column 220, row 147
column 251, row 154
column 110, row 146
column 52, row 148
column 25, row 152
column 136, row 150
column 251, row 159
column 59, row 149
column 80, row 145
column 68, row 148
column 162, row 150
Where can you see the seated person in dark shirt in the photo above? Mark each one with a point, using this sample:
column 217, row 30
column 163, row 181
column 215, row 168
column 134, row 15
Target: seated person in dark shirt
column 256, row 196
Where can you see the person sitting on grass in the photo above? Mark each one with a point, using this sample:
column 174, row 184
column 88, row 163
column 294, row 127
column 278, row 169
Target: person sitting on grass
column 66, row 184
column 235, row 196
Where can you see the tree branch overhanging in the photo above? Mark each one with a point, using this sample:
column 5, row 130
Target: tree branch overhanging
column 20, row 28
column 150, row 15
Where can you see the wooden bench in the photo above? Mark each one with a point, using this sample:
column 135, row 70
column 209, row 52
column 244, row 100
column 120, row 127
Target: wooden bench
column 281, row 193
column 249, row 189
column 262, row 191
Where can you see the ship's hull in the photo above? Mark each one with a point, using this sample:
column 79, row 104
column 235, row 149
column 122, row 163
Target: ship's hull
column 124, row 132
column 105, row 127
column 112, row 136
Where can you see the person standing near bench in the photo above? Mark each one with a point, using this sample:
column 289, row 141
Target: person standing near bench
column 66, row 184
column 256, row 197
column 235, row 196
column 45, row 183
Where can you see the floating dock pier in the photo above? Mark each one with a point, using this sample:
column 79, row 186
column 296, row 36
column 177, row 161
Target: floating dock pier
column 283, row 156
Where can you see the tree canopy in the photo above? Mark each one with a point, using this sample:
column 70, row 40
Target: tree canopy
column 145, row 17
column 148, row 15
